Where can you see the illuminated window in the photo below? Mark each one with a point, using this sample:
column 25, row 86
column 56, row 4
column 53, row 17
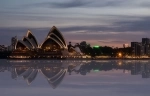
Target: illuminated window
column 48, row 48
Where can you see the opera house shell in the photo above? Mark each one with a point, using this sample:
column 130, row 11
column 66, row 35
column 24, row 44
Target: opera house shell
column 54, row 46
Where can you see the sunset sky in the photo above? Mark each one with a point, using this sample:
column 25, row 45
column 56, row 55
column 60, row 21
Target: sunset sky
column 98, row 22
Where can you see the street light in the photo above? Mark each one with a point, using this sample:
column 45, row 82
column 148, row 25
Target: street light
column 120, row 54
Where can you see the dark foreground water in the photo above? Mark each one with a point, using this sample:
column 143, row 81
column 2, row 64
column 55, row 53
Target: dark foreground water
column 74, row 78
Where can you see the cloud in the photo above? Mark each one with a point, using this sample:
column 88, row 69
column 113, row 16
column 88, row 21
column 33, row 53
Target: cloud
column 63, row 4
column 145, row 4
column 112, row 41
column 127, row 26
column 107, row 3
column 139, row 25
column 73, row 3
column 88, row 3
column 91, row 4
column 83, row 4
column 92, row 28
column 118, row 31
column 78, row 19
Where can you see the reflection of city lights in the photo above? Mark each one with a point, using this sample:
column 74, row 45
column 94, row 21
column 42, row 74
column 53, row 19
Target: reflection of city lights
column 119, row 63
column 96, row 70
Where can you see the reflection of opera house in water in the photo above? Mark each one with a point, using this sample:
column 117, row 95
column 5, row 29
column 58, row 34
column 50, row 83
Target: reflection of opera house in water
column 53, row 74
column 53, row 71
column 54, row 46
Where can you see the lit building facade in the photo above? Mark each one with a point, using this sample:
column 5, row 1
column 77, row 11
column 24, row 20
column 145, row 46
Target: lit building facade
column 141, row 48
column 138, row 49
column 146, row 44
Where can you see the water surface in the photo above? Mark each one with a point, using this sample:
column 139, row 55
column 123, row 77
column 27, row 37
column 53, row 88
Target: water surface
column 74, row 78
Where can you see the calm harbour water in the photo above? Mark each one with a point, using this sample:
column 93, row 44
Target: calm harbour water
column 74, row 78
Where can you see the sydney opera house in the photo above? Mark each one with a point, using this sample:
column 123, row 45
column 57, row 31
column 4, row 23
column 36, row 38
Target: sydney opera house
column 54, row 46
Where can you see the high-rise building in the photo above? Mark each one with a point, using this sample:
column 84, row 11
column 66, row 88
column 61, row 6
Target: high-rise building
column 13, row 42
column 145, row 41
column 146, row 44
column 147, row 49
column 138, row 48
column 133, row 44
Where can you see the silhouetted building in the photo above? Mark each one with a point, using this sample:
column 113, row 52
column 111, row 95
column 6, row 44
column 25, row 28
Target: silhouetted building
column 145, row 41
column 13, row 43
column 138, row 49
column 133, row 44
column 146, row 44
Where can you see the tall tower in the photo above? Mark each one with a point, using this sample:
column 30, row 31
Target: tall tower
column 145, row 41
column 146, row 44
column 13, row 42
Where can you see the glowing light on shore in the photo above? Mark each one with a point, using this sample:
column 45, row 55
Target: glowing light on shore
column 120, row 54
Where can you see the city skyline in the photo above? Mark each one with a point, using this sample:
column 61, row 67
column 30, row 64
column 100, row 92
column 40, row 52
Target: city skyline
column 109, row 22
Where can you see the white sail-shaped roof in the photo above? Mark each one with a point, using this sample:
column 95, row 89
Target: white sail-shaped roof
column 49, row 40
column 53, row 42
column 21, row 43
column 57, row 33
column 28, row 42
column 54, row 36
column 75, row 51
column 57, row 37
column 32, row 39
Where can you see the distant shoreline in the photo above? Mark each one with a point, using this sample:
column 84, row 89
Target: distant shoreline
column 76, row 58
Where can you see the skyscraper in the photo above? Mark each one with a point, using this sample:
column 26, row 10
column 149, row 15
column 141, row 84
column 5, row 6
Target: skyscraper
column 146, row 44
column 13, row 42
column 145, row 41
column 138, row 48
